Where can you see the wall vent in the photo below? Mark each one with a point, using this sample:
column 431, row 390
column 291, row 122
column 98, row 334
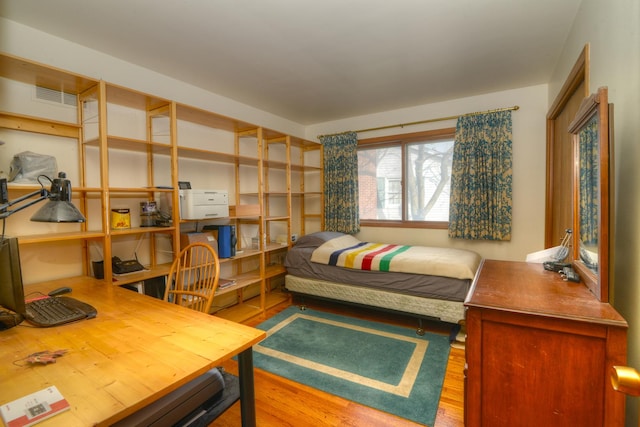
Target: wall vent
column 57, row 96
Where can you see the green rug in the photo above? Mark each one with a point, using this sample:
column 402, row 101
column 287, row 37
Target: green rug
column 386, row 367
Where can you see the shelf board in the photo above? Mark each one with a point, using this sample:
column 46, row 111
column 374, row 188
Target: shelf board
column 241, row 312
column 242, row 281
column 245, row 217
column 267, row 134
column 305, row 168
column 274, row 298
column 140, row 191
column 200, row 154
column 56, row 237
column 140, row 145
column 306, row 144
column 141, row 230
column 244, row 211
column 132, row 144
column 276, row 218
column 274, row 271
column 132, row 98
column 26, row 123
column 245, row 253
column 87, row 190
column 248, row 161
column 33, row 73
column 271, row 247
column 251, row 308
column 306, row 193
column 275, row 164
column 209, row 119
column 139, row 276
column 216, row 156
column 28, row 188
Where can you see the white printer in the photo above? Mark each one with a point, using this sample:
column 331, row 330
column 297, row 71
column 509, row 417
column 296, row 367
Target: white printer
column 204, row 204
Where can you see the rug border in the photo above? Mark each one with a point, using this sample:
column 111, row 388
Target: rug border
column 438, row 357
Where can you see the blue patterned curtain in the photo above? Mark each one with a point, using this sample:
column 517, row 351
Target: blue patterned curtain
column 589, row 156
column 341, row 209
column 481, row 176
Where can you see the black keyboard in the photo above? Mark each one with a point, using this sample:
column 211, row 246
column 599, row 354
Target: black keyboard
column 53, row 311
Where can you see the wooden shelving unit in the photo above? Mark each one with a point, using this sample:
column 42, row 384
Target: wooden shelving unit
column 133, row 147
column 122, row 151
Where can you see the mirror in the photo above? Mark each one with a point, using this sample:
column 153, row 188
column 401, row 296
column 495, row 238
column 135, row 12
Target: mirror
column 591, row 188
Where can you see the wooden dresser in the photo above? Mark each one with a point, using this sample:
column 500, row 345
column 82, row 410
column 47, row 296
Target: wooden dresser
column 539, row 351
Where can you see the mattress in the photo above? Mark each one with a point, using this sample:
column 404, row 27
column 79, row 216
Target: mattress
column 446, row 311
column 298, row 263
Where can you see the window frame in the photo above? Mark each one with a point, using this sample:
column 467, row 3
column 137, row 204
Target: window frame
column 402, row 140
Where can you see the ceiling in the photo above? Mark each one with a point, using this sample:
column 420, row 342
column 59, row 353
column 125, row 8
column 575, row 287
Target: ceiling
column 315, row 61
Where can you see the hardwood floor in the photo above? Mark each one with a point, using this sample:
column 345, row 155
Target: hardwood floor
column 281, row 402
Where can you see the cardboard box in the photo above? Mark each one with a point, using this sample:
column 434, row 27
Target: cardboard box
column 206, row 237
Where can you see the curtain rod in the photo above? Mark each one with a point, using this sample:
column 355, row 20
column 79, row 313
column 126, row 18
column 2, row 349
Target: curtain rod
column 401, row 125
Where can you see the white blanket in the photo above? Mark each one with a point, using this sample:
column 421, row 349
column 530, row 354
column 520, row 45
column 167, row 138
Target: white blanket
column 348, row 252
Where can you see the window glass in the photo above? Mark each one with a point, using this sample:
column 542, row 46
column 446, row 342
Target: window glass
column 428, row 178
column 406, row 179
column 378, row 168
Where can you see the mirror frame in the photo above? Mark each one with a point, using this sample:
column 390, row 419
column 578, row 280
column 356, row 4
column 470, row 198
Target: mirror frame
column 595, row 104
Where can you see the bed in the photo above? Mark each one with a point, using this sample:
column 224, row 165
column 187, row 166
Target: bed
column 421, row 281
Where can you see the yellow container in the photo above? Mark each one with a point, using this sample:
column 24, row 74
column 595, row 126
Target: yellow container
column 120, row 219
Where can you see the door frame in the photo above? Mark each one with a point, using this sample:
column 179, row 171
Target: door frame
column 579, row 74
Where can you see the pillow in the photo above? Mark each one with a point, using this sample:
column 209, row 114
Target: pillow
column 314, row 240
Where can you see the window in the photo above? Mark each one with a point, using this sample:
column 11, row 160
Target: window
column 405, row 179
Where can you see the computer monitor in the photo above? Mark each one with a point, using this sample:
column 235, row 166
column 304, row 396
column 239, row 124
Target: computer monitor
column 11, row 287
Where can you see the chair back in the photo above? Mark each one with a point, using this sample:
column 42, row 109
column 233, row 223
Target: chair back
column 193, row 278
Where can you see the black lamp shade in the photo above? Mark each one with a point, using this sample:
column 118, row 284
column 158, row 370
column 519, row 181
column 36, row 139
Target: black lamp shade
column 59, row 207
column 58, row 211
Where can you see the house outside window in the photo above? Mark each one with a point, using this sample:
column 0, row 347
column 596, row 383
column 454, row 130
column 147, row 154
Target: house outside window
column 404, row 180
column 394, row 192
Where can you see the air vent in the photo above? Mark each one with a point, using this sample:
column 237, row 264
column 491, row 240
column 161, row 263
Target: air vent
column 57, row 96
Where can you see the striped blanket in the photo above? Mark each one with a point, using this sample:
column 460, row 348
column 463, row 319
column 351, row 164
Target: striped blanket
column 348, row 252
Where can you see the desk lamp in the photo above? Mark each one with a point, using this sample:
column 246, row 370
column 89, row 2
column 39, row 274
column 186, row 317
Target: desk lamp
column 58, row 207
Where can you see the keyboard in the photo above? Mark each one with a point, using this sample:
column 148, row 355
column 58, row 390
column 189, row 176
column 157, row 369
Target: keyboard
column 53, row 311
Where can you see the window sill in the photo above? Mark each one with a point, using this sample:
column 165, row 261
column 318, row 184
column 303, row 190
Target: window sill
column 438, row 225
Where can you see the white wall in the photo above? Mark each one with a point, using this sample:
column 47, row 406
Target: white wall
column 612, row 29
column 529, row 167
column 26, row 42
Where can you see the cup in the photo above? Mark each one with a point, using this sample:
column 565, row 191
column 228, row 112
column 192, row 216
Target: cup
column 98, row 269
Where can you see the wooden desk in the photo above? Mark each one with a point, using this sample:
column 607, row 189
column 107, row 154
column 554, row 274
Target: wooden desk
column 135, row 351
column 540, row 350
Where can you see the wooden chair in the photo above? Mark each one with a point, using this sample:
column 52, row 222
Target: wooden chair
column 193, row 278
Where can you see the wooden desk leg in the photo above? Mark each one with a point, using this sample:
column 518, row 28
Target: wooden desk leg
column 247, row 392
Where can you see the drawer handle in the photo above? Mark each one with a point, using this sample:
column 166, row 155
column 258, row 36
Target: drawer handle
column 625, row 380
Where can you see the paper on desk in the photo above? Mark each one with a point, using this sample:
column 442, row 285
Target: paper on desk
column 33, row 408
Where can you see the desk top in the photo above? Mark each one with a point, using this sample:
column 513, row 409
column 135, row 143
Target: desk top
column 528, row 288
column 136, row 350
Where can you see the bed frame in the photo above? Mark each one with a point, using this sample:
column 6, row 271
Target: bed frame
column 419, row 307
